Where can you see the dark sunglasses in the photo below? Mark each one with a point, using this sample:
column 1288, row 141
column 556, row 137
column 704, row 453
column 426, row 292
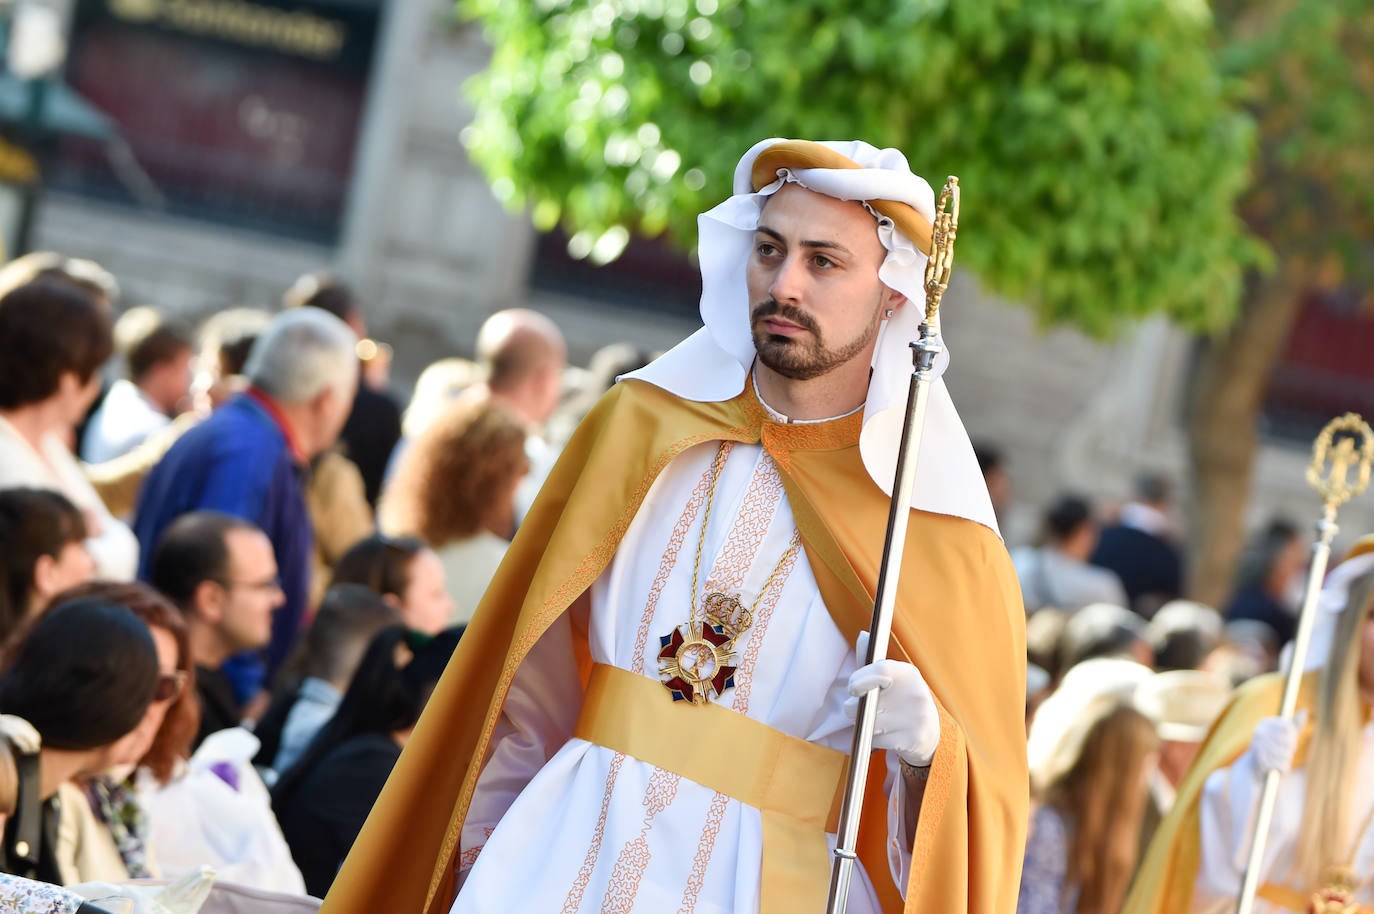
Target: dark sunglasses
column 169, row 686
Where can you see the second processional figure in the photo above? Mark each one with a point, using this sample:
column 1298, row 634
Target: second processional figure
column 1277, row 812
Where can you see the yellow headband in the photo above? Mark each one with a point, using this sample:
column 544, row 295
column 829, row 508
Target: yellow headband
column 1362, row 545
column 797, row 155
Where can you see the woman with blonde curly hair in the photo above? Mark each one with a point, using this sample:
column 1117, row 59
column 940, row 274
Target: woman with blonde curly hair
column 455, row 489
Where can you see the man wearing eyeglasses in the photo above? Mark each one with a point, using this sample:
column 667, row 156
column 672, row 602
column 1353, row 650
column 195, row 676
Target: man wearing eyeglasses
column 221, row 571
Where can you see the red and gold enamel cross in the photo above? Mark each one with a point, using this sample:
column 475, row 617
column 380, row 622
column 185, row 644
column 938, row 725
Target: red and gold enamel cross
column 696, row 663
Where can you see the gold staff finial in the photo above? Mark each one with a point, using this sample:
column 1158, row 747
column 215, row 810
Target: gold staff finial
column 1345, row 444
column 941, row 261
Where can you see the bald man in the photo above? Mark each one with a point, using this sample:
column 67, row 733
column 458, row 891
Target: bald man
column 523, row 354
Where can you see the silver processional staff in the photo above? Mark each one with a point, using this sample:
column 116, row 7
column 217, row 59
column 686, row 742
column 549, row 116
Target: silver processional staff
column 925, row 350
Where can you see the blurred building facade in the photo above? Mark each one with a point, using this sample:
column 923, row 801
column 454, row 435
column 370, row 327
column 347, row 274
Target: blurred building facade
column 260, row 139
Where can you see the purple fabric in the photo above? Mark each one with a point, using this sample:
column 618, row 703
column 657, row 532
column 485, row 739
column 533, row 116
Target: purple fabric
column 227, row 773
column 1046, row 866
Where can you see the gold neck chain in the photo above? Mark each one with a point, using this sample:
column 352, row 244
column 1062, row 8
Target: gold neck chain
column 1339, row 881
column 728, row 610
column 697, row 660
column 717, row 467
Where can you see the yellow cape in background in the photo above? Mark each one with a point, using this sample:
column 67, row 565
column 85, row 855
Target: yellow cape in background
column 1164, row 883
column 959, row 619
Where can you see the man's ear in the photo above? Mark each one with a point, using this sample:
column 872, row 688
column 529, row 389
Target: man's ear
column 210, row 597
column 323, row 400
column 892, row 299
column 68, row 383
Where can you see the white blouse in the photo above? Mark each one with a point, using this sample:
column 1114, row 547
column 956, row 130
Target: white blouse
column 112, row 544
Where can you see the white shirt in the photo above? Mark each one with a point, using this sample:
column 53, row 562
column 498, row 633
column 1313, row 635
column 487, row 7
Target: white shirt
column 542, row 457
column 561, row 824
column 124, row 420
column 469, row 565
column 113, row 547
column 1226, row 819
column 1050, row 578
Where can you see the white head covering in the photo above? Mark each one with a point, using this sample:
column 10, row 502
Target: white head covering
column 1182, row 703
column 1088, row 692
column 1333, row 599
column 713, row 364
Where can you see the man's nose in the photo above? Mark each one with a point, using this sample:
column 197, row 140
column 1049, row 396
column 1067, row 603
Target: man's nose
column 788, row 280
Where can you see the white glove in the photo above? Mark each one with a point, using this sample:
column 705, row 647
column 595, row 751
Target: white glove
column 21, row 733
column 908, row 722
column 1274, row 743
column 118, row 899
column 184, row 895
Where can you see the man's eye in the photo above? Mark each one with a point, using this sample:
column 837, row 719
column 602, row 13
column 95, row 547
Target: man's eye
column 822, row 261
column 765, row 249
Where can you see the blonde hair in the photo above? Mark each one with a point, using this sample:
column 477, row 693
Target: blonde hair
column 1333, row 756
column 1102, row 796
column 455, row 473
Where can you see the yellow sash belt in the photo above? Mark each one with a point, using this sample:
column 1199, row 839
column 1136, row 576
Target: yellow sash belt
column 794, row 784
column 1292, row 899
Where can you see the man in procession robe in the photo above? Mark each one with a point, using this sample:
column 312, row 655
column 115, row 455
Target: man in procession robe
column 1319, row 853
column 653, row 705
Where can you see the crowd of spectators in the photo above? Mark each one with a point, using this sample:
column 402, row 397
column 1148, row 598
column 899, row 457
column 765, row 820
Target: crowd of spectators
column 212, row 651
column 232, row 570
column 1125, row 676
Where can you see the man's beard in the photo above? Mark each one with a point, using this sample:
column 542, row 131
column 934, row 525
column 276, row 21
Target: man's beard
column 800, row 358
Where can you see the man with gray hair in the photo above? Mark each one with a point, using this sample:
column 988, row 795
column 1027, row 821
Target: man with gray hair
column 248, row 457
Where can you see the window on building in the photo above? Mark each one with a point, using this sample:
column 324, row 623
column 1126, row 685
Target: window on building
column 1327, row 367
column 239, row 112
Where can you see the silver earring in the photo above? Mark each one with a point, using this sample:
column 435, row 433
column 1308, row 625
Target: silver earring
column 890, row 312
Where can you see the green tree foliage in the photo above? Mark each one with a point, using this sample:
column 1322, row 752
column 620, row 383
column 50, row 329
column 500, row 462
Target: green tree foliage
column 1307, row 72
column 1100, row 154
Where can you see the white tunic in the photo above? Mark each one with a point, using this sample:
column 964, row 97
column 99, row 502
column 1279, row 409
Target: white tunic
column 1227, row 809
column 562, row 825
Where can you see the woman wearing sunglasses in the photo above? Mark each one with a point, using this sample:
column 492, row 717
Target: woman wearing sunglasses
column 74, row 685
column 103, row 835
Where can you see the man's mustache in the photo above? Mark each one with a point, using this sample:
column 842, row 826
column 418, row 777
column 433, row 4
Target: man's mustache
column 774, row 308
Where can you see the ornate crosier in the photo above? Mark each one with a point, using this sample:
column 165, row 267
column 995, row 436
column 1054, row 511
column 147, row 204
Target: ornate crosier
column 1334, row 454
column 941, row 263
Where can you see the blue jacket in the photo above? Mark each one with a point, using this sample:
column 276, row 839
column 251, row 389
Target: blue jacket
column 237, row 461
